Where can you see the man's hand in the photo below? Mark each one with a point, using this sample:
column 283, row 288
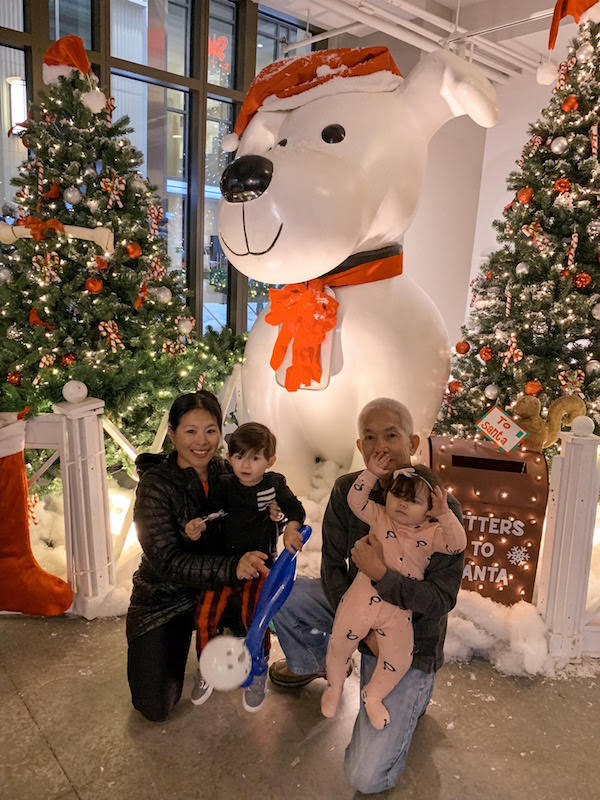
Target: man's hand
column 292, row 538
column 439, row 502
column 251, row 565
column 367, row 554
column 195, row 528
column 379, row 463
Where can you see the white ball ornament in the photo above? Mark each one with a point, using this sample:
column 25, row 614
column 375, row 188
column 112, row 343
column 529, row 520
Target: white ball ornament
column 74, row 391
column 522, row 268
column 592, row 367
column 585, row 52
column 162, row 294
column 72, row 195
column 547, row 73
column 491, row 391
column 225, row 662
column 582, row 426
column 593, row 227
column 559, row 145
column 185, row 325
column 596, row 311
column 5, row 275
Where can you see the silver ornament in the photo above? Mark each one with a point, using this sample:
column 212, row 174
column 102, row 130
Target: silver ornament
column 92, row 205
column 585, row 52
column 72, row 195
column 491, row 391
column 522, row 268
column 162, row 294
column 5, row 275
column 593, row 227
column 592, row 366
column 185, row 325
column 13, row 332
column 559, row 145
column 596, row 311
column 539, row 327
column 90, row 172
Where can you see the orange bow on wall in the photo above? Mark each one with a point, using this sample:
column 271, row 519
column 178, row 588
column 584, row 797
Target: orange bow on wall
column 564, row 8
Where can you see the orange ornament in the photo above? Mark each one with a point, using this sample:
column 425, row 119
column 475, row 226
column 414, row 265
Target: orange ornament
column 533, row 387
column 525, row 195
column 462, row 348
column 101, row 263
column 565, row 273
column 133, row 250
column 582, row 279
column 562, row 185
column 14, row 378
column 570, row 103
column 53, row 191
column 454, row 387
column 93, row 285
column 68, row 359
column 486, row 354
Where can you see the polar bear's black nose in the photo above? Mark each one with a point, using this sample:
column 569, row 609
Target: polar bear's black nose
column 246, row 178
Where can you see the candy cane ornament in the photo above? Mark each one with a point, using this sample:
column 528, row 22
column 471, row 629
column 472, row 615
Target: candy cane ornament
column 110, row 330
column 572, row 249
column 46, row 266
column 512, row 351
column 571, row 381
column 46, row 361
column 155, row 214
column 115, row 186
column 594, row 139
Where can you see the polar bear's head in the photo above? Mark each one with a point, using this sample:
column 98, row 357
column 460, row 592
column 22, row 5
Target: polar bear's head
column 341, row 173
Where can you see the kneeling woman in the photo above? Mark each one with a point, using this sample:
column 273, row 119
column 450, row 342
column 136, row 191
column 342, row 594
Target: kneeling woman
column 174, row 489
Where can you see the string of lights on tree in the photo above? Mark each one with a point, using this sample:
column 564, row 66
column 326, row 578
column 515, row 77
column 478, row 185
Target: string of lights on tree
column 71, row 309
column 534, row 324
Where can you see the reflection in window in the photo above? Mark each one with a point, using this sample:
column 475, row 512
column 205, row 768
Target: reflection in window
column 154, row 33
column 221, row 41
column 13, row 109
column 11, row 15
column 258, row 300
column 159, row 120
column 71, row 16
column 215, row 274
column 272, row 34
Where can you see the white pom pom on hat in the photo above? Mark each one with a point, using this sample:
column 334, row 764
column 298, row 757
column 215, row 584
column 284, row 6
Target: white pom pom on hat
column 63, row 57
column 94, row 100
column 546, row 73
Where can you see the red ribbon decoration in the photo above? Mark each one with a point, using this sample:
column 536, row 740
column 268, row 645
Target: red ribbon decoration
column 141, row 296
column 34, row 319
column 38, row 227
column 306, row 314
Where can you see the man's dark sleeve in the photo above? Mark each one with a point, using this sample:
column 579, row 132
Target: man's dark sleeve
column 334, row 554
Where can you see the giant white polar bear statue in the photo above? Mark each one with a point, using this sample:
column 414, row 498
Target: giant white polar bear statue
column 332, row 151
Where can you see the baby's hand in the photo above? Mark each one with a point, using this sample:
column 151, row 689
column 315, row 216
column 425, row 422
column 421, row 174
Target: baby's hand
column 379, row 463
column 292, row 538
column 275, row 513
column 195, row 528
column 439, row 502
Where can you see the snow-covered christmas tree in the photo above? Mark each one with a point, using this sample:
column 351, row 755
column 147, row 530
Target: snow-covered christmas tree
column 534, row 326
column 86, row 290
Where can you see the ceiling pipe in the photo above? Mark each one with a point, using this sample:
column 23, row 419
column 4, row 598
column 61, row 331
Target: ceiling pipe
column 319, row 37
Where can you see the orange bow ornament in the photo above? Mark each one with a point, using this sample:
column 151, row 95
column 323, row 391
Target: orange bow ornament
column 34, row 319
column 38, row 227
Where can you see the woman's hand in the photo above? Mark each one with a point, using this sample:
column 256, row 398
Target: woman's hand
column 251, row 565
column 292, row 538
column 195, row 528
column 439, row 502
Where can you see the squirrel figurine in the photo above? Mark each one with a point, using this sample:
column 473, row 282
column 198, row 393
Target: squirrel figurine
column 543, row 433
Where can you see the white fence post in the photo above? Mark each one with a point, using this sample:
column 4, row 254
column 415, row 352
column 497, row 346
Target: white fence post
column 87, row 520
column 564, row 571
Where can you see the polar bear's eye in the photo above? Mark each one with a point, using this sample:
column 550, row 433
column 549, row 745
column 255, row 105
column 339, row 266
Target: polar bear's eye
column 333, row 134
column 282, row 142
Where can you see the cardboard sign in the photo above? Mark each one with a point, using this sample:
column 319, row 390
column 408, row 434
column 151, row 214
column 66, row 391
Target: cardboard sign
column 501, row 429
column 503, row 498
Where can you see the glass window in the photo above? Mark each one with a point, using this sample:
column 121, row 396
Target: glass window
column 221, row 43
column 11, row 15
column 159, row 118
column 215, row 275
column 258, row 299
column 272, row 34
column 13, row 109
column 71, row 16
column 155, row 33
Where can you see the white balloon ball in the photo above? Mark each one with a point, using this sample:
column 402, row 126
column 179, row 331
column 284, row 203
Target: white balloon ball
column 72, row 195
column 491, row 391
column 5, row 275
column 185, row 325
column 225, row 662
column 585, row 52
column 592, row 366
column 74, row 391
column 547, row 73
column 522, row 268
column 596, row 311
column 559, row 145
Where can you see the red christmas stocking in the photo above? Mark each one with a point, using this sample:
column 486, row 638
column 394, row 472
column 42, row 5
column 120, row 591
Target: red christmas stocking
column 24, row 585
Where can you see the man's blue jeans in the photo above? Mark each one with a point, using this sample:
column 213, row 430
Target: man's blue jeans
column 374, row 759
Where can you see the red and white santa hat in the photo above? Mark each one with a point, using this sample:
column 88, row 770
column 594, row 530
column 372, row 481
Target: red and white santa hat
column 292, row 82
column 65, row 56
column 580, row 10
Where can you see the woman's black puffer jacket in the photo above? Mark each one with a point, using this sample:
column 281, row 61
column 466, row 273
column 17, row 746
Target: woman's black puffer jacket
column 174, row 570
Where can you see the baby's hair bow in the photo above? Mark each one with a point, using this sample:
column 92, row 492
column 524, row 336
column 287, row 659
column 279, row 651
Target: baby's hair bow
column 410, row 472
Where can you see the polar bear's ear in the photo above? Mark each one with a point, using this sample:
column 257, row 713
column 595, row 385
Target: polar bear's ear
column 443, row 86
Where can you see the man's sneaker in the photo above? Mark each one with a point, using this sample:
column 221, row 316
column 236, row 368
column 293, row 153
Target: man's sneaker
column 254, row 695
column 201, row 690
column 281, row 675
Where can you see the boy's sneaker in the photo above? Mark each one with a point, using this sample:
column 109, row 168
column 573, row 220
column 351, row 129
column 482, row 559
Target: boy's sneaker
column 201, row 690
column 254, row 695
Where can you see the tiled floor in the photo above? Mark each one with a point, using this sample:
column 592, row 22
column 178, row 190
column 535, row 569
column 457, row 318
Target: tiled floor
column 68, row 732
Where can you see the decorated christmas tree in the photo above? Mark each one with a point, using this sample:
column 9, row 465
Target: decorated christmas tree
column 534, row 324
column 86, row 289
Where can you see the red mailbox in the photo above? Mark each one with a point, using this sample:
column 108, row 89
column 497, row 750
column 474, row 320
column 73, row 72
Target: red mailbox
column 503, row 498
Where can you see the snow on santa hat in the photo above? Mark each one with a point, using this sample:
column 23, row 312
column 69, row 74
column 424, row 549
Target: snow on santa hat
column 292, row 82
column 574, row 8
column 66, row 55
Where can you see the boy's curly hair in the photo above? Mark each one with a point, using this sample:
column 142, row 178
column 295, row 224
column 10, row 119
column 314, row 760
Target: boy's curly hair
column 405, row 487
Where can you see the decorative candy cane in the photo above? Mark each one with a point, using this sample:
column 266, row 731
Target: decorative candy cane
column 535, row 232
column 32, row 502
column 116, row 187
column 109, row 108
column 111, row 331
column 563, row 71
column 534, row 143
column 571, row 381
column 201, row 380
column 46, row 361
column 508, row 294
column 513, row 351
column 157, row 271
column 155, row 214
column 173, row 348
column 22, row 196
column 572, row 249
column 46, row 264
column 594, row 139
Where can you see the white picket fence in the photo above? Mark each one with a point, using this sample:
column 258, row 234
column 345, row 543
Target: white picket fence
column 75, row 431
